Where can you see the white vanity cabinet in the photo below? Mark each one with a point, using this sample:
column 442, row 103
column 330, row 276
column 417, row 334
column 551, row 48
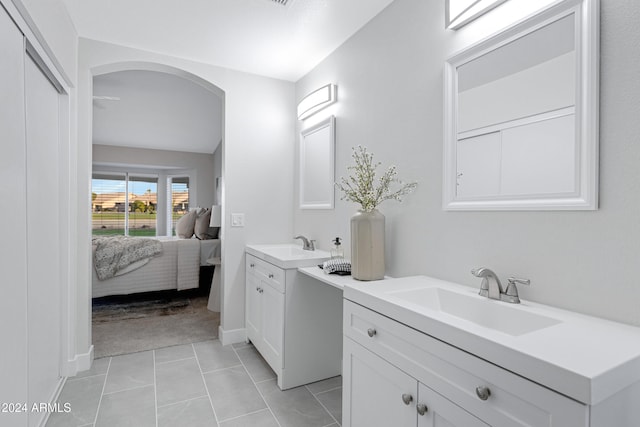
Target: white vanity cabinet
column 294, row 321
column 265, row 308
column 381, row 394
column 396, row 375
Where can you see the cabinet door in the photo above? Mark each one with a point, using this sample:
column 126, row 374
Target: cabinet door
column 441, row 412
column 375, row 392
column 272, row 325
column 253, row 307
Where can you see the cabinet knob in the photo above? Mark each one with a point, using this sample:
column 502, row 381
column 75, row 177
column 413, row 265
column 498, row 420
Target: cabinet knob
column 252, row 265
column 261, row 290
column 483, row 392
column 371, row 332
column 258, row 288
column 407, row 399
column 270, row 276
column 421, row 408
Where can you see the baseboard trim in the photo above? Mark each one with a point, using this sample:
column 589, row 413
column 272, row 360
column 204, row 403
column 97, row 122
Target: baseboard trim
column 81, row 362
column 84, row 360
column 52, row 401
column 231, row 337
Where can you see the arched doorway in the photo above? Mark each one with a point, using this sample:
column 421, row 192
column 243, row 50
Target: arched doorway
column 178, row 74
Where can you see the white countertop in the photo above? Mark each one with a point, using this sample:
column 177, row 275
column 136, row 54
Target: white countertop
column 583, row 357
column 287, row 255
column 334, row 280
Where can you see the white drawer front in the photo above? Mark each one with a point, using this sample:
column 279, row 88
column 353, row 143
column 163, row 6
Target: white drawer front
column 513, row 400
column 269, row 273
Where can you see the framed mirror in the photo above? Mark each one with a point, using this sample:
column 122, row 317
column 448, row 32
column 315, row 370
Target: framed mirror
column 521, row 115
column 317, row 165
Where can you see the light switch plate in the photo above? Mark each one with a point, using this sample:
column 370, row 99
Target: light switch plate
column 237, row 220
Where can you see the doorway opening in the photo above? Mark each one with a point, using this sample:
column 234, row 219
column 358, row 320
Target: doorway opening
column 157, row 140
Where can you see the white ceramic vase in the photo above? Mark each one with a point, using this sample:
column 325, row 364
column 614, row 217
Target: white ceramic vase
column 367, row 245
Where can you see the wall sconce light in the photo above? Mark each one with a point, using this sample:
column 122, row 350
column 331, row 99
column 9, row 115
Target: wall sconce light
column 317, row 100
column 461, row 12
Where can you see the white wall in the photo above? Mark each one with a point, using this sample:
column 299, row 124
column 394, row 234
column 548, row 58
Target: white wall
column 390, row 79
column 59, row 38
column 257, row 161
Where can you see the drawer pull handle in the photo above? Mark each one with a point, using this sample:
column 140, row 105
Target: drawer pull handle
column 483, row 392
column 407, row 399
column 371, row 332
column 421, row 408
column 270, row 276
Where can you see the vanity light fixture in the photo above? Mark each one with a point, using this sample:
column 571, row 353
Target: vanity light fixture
column 317, row 100
column 461, row 12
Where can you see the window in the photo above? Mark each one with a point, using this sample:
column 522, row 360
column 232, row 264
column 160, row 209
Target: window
column 178, row 198
column 124, row 204
column 143, row 201
column 108, row 201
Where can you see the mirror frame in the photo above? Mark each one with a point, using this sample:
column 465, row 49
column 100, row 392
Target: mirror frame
column 330, row 178
column 587, row 38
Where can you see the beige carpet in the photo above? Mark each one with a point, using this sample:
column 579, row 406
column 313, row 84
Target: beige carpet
column 146, row 325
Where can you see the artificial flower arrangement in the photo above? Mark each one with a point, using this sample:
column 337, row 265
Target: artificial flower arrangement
column 362, row 187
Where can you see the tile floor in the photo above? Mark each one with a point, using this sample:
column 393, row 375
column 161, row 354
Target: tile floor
column 201, row 384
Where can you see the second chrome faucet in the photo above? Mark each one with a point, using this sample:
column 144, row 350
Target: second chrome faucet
column 492, row 288
column 307, row 245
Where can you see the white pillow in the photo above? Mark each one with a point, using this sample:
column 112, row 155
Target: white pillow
column 201, row 229
column 185, row 225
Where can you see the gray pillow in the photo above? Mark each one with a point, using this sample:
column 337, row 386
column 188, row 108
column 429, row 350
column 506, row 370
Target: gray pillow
column 186, row 224
column 201, row 228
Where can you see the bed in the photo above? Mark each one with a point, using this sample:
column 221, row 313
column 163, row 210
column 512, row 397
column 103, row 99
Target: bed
column 177, row 267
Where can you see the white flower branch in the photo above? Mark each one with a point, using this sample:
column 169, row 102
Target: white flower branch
column 360, row 186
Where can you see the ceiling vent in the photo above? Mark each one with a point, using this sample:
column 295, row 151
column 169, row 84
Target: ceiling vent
column 282, row 2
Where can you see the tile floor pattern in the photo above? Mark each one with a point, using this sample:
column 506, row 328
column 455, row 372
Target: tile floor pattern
column 193, row 385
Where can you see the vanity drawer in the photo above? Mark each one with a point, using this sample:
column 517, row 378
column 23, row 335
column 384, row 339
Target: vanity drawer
column 455, row 374
column 266, row 272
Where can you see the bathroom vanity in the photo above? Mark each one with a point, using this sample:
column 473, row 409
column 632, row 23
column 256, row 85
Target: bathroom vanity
column 295, row 324
column 424, row 352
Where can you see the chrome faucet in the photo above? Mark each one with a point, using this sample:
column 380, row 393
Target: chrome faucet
column 492, row 288
column 307, row 245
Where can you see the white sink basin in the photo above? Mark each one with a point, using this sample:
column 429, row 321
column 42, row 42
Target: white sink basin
column 288, row 255
column 583, row 357
column 499, row 316
column 287, row 252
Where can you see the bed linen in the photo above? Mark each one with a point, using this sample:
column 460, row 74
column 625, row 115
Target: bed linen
column 177, row 267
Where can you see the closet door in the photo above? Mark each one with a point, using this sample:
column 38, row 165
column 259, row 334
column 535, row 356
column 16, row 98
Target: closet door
column 13, row 246
column 43, row 236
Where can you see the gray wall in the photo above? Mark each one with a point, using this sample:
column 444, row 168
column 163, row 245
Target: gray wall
column 108, row 157
column 390, row 79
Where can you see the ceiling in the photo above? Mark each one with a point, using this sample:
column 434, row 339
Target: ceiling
column 155, row 110
column 255, row 36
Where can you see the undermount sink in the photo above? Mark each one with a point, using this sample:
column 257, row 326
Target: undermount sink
column 288, row 255
column 500, row 316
